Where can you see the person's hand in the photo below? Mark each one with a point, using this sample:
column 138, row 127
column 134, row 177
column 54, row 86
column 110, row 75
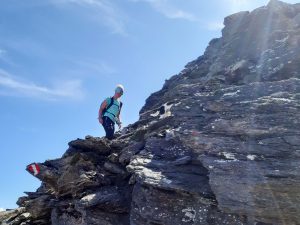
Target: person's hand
column 100, row 120
column 119, row 124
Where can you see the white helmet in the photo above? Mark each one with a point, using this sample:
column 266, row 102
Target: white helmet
column 119, row 89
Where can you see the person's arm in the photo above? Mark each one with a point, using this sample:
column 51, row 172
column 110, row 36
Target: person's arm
column 119, row 119
column 102, row 107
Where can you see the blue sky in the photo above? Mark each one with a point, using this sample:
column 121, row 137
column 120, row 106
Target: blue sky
column 60, row 58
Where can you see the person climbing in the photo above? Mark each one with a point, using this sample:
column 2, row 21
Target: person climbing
column 109, row 112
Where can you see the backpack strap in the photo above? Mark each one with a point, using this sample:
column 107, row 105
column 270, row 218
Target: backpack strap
column 107, row 107
column 110, row 105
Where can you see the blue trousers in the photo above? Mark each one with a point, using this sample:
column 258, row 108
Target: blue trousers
column 109, row 127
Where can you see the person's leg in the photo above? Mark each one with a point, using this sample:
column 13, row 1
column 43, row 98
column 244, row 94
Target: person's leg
column 109, row 127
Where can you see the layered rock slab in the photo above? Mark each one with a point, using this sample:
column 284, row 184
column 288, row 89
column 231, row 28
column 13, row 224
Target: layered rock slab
column 218, row 144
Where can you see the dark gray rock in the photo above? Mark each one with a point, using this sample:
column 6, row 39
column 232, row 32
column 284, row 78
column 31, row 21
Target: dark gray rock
column 39, row 207
column 109, row 199
column 114, row 158
column 114, row 168
column 13, row 216
column 98, row 145
column 218, row 144
column 153, row 206
column 130, row 151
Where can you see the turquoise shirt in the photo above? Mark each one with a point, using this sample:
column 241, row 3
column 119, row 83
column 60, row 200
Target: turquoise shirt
column 114, row 110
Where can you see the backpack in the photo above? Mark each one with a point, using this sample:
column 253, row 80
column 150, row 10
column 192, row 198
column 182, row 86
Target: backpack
column 110, row 105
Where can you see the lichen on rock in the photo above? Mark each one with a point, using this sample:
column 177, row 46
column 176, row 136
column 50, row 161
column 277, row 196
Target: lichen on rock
column 218, row 144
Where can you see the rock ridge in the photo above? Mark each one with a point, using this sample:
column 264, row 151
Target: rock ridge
column 218, row 144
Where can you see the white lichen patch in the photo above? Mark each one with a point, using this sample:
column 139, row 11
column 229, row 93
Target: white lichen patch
column 150, row 174
column 163, row 215
column 236, row 66
column 26, row 215
column 155, row 114
column 165, row 180
column 167, row 111
column 177, row 129
column 282, row 99
column 204, row 94
column 169, row 134
column 283, row 39
column 230, row 94
column 190, row 215
column 88, row 198
column 222, row 161
column 228, row 155
column 218, row 120
column 251, row 157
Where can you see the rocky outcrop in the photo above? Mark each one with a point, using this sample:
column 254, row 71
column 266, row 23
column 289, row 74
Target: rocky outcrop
column 218, row 144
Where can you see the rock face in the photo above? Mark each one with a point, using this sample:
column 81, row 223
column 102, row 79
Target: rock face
column 219, row 144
